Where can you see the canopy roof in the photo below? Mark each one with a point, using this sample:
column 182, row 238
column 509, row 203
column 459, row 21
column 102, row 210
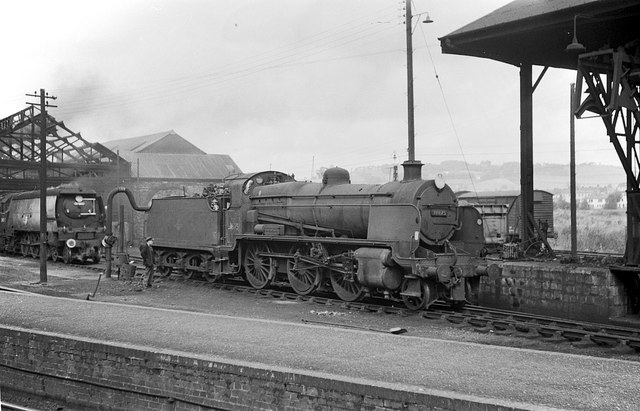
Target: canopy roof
column 537, row 32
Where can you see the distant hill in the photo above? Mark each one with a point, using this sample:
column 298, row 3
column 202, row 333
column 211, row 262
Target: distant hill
column 488, row 177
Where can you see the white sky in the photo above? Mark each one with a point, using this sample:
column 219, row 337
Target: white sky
column 282, row 84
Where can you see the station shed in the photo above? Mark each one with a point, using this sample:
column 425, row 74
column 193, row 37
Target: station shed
column 601, row 41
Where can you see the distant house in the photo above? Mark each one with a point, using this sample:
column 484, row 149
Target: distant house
column 622, row 203
column 163, row 164
column 596, row 203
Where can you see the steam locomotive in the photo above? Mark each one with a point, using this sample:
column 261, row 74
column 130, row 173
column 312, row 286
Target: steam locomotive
column 407, row 241
column 75, row 224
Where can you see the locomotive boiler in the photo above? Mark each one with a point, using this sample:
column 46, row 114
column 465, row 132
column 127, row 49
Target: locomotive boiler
column 396, row 240
column 75, row 224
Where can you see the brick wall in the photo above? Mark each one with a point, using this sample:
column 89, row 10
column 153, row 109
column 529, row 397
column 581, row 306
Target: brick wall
column 90, row 374
column 581, row 293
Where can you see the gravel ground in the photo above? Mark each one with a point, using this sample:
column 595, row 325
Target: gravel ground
column 78, row 282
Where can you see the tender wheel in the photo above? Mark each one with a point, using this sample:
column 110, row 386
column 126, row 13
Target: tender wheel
column 169, row 261
column 304, row 276
column 192, row 270
column 417, row 294
column 346, row 286
column 190, row 274
column 66, row 255
column 24, row 250
column 211, row 278
column 35, row 251
column 257, row 268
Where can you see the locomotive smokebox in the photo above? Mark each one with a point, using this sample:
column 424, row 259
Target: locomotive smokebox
column 412, row 170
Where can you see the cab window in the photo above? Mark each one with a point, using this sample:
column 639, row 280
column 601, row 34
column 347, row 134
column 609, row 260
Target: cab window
column 79, row 206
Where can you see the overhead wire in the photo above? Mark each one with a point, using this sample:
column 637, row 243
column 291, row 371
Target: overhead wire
column 448, row 110
column 284, row 56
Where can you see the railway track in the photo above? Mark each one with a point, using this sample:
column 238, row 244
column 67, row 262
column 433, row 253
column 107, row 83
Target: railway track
column 481, row 319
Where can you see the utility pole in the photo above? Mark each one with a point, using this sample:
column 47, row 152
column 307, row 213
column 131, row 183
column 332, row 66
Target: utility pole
column 411, row 126
column 412, row 168
column 572, row 170
column 43, row 179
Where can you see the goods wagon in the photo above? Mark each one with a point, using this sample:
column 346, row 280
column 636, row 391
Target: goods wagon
column 501, row 212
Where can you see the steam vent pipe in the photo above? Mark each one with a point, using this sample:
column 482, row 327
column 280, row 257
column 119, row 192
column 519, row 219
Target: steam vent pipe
column 108, row 242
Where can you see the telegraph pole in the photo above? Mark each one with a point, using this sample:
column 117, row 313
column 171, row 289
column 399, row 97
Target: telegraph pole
column 43, row 179
column 412, row 167
column 411, row 128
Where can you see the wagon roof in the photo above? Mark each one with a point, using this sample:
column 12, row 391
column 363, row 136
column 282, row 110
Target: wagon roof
column 484, row 194
column 247, row 176
column 52, row 191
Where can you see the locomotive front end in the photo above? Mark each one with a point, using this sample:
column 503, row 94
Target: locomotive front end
column 80, row 221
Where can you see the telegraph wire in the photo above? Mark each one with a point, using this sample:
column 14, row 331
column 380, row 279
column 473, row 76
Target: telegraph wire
column 446, row 105
column 233, row 71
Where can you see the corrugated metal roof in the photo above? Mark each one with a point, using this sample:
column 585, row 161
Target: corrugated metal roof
column 167, row 155
column 181, row 166
column 163, row 142
column 520, row 10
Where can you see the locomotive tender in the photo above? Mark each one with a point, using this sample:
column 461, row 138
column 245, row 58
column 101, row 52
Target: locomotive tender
column 396, row 240
column 75, row 224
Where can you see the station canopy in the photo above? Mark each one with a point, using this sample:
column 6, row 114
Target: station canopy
column 537, row 32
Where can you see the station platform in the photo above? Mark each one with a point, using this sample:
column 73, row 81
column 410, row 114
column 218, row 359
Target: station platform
column 480, row 376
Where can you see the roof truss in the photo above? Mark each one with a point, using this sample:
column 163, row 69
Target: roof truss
column 67, row 154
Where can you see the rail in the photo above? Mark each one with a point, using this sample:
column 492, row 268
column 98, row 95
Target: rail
column 7, row 406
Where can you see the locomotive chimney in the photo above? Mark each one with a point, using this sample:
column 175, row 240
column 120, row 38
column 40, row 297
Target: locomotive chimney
column 412, row 170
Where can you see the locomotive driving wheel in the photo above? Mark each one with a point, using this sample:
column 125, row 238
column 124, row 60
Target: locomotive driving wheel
column 305, row 276
column 257, row 267
column 346, row 286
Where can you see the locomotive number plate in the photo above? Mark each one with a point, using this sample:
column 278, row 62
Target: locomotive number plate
column 439, row 213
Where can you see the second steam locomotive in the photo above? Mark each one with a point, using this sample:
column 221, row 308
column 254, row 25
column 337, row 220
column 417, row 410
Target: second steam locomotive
column 400, row 240
column 75, row 224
